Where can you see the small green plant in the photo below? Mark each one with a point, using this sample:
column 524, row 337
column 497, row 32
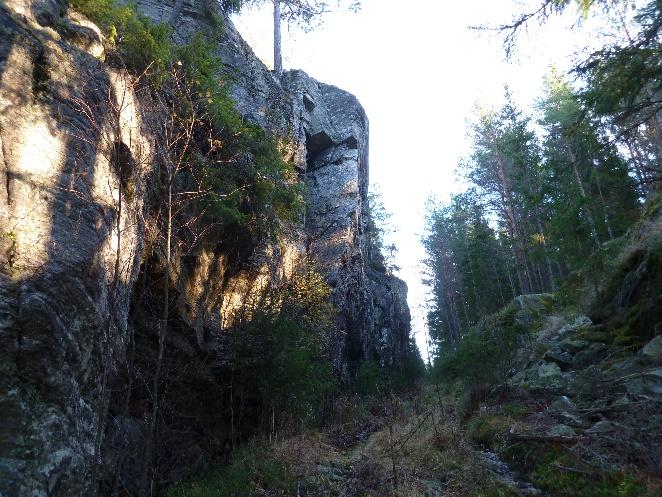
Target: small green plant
column 369, row 379
column 252, row 470
column 12, row 253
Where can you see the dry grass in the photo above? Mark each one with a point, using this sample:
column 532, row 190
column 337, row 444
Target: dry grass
column 303, row 454
column 421, row 452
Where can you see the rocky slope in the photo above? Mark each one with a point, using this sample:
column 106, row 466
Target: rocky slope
column 579, row 411
column 71, row 255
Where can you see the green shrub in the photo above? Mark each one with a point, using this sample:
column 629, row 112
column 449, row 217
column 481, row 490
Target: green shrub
column 368, row 379
column 252, row 468
column 281, row 367
column 484, row 354
column 261, row 189
column 140, row 42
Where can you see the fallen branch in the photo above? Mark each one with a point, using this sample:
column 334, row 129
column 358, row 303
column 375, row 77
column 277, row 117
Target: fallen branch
column 572, row 470
column 616, row 407
column 542, row 438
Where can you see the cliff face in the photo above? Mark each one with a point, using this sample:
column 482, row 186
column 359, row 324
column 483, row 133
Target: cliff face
column 59, row 220
column 326, row 130
column 71, row 248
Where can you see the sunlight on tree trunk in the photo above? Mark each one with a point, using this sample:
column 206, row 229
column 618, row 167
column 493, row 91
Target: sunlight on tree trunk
column 278, row 55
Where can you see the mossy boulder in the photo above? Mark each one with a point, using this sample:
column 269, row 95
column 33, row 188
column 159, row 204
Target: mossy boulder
column 631, row 306
column 531, row 308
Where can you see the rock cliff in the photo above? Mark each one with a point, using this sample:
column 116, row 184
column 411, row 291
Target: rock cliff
column 72, row 258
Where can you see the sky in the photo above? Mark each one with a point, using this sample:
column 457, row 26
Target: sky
column 419, row 70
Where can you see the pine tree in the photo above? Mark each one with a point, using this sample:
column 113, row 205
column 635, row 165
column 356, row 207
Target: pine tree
column 587, row 181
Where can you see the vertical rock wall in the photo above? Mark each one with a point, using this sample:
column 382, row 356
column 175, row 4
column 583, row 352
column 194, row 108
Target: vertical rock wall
column 68, row 126
column 63, row 311
column 325, row 132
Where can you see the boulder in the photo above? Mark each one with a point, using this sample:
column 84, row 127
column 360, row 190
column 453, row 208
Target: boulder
column 561, row 430
column 581, row 322
column 572, row 346
column 542, row 375
column 549, row 370
column 531, row 307
column 563, row 359
column 595, row 353
column 648, row 383
column 570, row 419
column 549, row 375
column 563, row 403
column 603, row 427
column 652, row 351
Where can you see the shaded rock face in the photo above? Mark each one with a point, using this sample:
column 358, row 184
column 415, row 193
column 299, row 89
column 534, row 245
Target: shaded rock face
column 66, row 312
column 63, row 322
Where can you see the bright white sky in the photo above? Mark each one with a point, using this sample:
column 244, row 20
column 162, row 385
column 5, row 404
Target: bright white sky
column 418, row 69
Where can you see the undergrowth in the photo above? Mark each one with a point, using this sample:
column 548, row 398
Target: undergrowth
column 556, row 470
column 251, row 468
column 491, row 344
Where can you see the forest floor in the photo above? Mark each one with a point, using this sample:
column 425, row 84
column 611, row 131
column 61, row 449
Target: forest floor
column 510, row 442
column 405, row 446
column 435, row 444
column 395, row 446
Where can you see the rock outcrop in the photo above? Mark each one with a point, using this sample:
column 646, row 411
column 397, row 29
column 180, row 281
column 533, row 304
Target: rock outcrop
column 71, row 255
column 62, row 231
column 326, row 132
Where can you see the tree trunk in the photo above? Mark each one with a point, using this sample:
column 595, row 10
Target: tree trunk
column 639, row 163
column 548, row 261
column 502, row 300
column 512, row 221
column 162, row 331
column 589, row 215
column 512, row 284
column 278, row 54
column 602, row 199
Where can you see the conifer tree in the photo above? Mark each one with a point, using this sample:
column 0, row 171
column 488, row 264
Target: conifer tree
column 587, row 180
